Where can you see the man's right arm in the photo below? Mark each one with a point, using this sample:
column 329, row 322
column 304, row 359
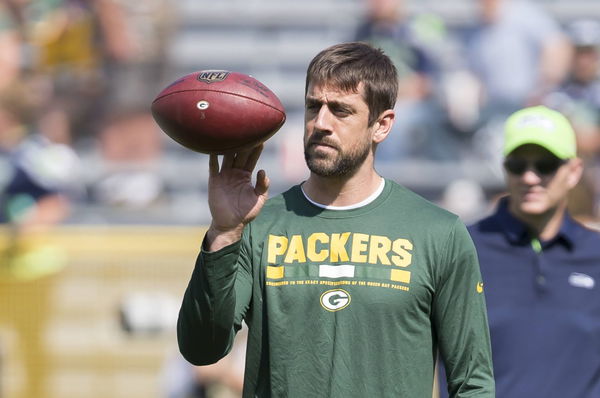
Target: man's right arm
column 220, row 289
column 214, row 304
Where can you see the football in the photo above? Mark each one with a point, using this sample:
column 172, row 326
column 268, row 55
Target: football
column 217, row 111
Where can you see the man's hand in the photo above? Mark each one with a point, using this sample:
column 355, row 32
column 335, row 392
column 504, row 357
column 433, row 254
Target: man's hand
column 232, row 198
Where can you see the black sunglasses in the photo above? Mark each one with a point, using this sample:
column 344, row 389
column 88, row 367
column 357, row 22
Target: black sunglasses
column 543, row 166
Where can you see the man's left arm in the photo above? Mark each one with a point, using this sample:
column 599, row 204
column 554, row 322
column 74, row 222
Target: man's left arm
column 460, row 319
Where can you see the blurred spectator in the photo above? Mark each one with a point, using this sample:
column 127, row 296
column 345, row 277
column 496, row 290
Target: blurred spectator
column 579, row 95
column 41, row 185
column 130, row 146
column 133, row 79
column 10, row 48
column 68, row 49
column 39, row 175
column 15, row 115
column 518, row 52
column 44, row 174
column 436, row 98
column 515, row 54
column 387, row 26
column 579, row 99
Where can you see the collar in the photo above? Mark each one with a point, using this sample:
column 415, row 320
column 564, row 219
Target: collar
column 517, row 233
column 362, row 203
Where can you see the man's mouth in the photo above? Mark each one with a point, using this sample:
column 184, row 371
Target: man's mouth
column 321, row 144
column 530, row 193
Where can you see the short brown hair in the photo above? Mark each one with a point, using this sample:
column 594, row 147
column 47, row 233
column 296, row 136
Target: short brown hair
column 346, row 65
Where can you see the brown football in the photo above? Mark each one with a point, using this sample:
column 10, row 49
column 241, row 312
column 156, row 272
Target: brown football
column 216, row 111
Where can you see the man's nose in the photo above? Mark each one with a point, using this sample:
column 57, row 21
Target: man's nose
column 530, row 177
column 323, row 119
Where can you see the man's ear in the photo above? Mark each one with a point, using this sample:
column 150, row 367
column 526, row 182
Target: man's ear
column 575, row 172
column 383, row 125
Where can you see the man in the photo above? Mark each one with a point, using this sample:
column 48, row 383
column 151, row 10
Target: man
column 349, row 283
column 541, row 269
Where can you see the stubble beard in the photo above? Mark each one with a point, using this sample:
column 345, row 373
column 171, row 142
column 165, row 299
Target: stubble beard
column 343, row 164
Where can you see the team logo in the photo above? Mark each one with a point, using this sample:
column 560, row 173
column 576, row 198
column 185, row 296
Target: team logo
column 335, row 300
column 537, row 121
column 202, row 105
column 480, row 287
column 212, row 76
column 581, row 280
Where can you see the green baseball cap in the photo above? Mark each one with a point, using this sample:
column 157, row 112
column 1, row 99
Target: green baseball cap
column 541, row 126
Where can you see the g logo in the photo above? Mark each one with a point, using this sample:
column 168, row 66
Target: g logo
column 202, row 105
column 335, row 300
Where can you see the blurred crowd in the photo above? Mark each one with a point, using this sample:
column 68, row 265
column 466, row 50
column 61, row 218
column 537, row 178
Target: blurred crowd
column 79, row 74
column 75, row 74
column 459, row 83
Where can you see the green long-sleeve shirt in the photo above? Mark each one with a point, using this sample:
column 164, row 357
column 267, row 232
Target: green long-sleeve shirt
column 344, row 303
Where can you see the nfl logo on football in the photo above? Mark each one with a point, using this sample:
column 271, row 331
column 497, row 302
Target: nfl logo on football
column 212, row 76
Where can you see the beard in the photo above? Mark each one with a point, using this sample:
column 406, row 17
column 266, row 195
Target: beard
column 339, row 165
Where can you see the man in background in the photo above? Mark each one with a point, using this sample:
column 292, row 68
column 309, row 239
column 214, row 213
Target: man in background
column 540, row 267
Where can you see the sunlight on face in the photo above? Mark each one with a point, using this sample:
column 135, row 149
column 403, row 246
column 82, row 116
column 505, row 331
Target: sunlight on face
column 337, row 139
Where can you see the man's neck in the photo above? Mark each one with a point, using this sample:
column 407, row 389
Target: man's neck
column 340, row 191
column 543, row 226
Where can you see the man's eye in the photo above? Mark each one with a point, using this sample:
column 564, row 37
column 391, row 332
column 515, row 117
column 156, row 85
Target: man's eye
column 341, row 111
